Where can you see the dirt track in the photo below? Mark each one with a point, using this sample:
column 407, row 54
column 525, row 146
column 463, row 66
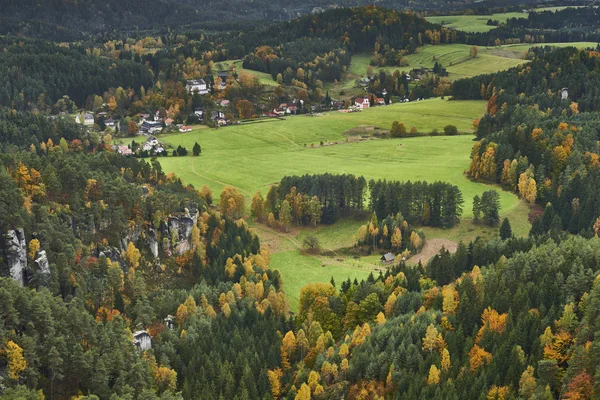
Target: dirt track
column 431, row 248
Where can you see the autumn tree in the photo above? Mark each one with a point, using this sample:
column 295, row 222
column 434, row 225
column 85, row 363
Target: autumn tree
column 16, row 361
column 473, row 51
column 285, row 215
column 398, row 129
column 275, row 381
column 232, row 203
column 434, row 375
column 245, row 108
column 258, row 207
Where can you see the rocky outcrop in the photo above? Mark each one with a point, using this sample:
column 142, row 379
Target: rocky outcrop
column 41, row 263
column 15, row 251
column 153, row 242
column 182, row 228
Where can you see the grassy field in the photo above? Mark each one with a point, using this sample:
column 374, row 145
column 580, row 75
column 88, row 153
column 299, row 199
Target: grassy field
column 478, row 23
column 455, row 58
column 254, row 156
column 265, row 79
column 473, row 23
column 251, row 157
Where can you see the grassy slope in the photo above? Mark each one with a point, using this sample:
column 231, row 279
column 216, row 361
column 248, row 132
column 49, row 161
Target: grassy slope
column 473, row 23
column 455, row 57
column 478, row 23
column 265, row 79
column 252, row 157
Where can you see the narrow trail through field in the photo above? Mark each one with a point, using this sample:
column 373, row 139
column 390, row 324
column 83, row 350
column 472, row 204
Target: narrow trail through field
column 431, row 248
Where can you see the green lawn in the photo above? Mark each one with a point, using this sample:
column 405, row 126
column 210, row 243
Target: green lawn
column 473, row 23
column 478, row 23
column 297, row 270
column 252, row 157
column 265, row 79
column 455, row 58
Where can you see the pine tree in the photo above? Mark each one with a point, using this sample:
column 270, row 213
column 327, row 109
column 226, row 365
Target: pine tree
column 196, row 150
column 505, row 230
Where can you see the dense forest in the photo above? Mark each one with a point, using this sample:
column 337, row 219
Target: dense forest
column 98, row 246
column 539, row 137
column 120, row 282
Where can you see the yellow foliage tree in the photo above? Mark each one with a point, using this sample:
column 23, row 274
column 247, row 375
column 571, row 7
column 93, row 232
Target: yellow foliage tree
column 434, row 376
column 380, row 318
column 165, row 378
column 497, row 393
column 450, row 299
column 232, row 202
column 34, row 246
column 275, row 382
column 478, row 357
column 303, row 393
column 446, row 364
column 389, row 304
column 433, row 339
column 16, row 361
column 133, row 255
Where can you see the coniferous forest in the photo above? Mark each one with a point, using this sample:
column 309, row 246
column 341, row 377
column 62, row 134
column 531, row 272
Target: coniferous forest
column 119, row 280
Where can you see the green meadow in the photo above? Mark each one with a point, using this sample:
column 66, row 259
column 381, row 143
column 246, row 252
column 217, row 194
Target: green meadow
column 253, row 156
column 478, row 23
column 457, row 61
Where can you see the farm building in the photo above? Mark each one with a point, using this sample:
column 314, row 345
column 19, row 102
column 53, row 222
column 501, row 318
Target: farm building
column 387, row 258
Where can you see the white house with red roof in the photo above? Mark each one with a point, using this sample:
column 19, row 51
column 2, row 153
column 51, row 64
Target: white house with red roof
column 362, row 102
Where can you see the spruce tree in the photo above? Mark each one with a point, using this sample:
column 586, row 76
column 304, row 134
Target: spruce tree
column 505, row 230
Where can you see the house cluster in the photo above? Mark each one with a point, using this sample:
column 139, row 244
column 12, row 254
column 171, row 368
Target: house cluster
column 285, row 109
column 88, row 119
column 152, row 146
column 202, row 86
column 361, row 103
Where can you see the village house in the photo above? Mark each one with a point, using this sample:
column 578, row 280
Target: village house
column 291, row 110
column 387, row 258
column 381, row 101
column 197, row 85
column 150, row 143
column 199, row 112
column 362, row 102
column 151, row 127
column 219, row 118
column 168, row 121
column 224, row 103
column 111, row 123
column 185, row 129
column 88, row 119
column 124, row 150
column 142, row 340
column 564, row 93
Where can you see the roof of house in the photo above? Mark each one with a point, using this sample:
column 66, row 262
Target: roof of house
column 388, row 257
column 196, row 82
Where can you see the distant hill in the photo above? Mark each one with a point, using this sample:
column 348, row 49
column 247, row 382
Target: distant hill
column 73, row 19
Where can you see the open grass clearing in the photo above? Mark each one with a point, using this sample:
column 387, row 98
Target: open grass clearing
column 251, row 157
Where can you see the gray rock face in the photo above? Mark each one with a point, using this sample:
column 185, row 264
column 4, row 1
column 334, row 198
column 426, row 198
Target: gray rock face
column 15, row 249
column 153, row 242
column 41, row 263
column 182, row 226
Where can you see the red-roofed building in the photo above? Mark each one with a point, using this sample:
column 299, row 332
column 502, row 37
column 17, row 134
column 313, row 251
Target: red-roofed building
column 362, row 102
